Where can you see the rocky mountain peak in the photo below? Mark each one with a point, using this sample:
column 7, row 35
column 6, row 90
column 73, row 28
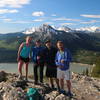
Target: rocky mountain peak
column 65, row 28
column 45, row 28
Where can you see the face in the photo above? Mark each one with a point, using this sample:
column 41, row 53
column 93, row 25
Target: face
column 28, row 40
column 60, row 46
column 38, row 43
column 48, row 44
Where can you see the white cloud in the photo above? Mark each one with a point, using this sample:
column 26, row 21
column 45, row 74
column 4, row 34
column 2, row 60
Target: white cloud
column 65, row 19
column 21, row 22
column 54, row 15
column 38, row 13
column 3, row 11
column 67, row 24
column 14, row 3
column 38, row 20
column 7, row 19
column 2, row 17
column 49, row 23
column 59, row 19
column 90, row 22
column 90, row 16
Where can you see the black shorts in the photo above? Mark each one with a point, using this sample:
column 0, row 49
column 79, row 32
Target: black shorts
column 51, row 72
column 24, row 59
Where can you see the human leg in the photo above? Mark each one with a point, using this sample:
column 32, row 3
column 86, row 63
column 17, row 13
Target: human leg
column 55, row 77
column 57, row 83
column 51, row 74
column 68, row 82
column 26, row 70
column 20, row 64
column 60, row 76
column 68, row 85
column 36, row 73
column 41, row 72
column 51, row 82
column 61, row 83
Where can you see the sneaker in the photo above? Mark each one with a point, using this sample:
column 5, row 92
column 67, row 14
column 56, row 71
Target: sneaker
column 62, row 91
column 20, row 77
column 26, row 80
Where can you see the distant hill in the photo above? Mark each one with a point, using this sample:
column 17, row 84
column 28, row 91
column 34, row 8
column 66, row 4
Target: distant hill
column 79, row 42
column 97, row 35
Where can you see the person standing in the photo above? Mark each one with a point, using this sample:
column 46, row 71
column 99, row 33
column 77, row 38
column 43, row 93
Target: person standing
column 63, row 59
column 24, row 56
column 51, row 71
column 37, row 57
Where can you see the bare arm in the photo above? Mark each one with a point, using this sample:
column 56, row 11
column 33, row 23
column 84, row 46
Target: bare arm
column 19, row 50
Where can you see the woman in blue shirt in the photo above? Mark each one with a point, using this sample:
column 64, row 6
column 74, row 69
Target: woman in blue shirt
column 24, row 56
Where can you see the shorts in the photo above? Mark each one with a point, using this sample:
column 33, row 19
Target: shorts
column 66, row 75
column 24, row 59
column 51, row 72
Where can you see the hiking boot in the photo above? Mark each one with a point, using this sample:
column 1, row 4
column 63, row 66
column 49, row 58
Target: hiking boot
column 41, row 83
column 36, row 83
column 58, row 89
column 69, row 94
column 52, row 87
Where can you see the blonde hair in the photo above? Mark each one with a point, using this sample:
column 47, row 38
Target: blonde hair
column 28, row 37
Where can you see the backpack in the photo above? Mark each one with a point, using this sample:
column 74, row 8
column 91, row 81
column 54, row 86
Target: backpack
column 21, row 84
column 33, row 94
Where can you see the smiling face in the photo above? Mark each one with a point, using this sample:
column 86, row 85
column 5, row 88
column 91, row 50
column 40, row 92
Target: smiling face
column 48, row 44
column 28, row 39
column 60, row 45
column 38, row 43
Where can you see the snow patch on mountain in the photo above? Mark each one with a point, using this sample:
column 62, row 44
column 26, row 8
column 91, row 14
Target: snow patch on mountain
column 89, row 29
column 45, row 28
column 65, row 28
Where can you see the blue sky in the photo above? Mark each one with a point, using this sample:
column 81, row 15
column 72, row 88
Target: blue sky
column 18, row 15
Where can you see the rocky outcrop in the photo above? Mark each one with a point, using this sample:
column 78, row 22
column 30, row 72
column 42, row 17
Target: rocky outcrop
column 3, row 76
column 86, row 88
column 83, row 88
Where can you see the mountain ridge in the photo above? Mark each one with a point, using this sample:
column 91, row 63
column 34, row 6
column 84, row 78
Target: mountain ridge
column 92, row 29
column 80, row 43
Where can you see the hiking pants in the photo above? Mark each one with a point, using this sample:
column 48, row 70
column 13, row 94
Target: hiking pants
column 39, row 67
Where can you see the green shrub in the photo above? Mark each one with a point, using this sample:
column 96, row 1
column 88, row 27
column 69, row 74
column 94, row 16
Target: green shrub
column 96, row 69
